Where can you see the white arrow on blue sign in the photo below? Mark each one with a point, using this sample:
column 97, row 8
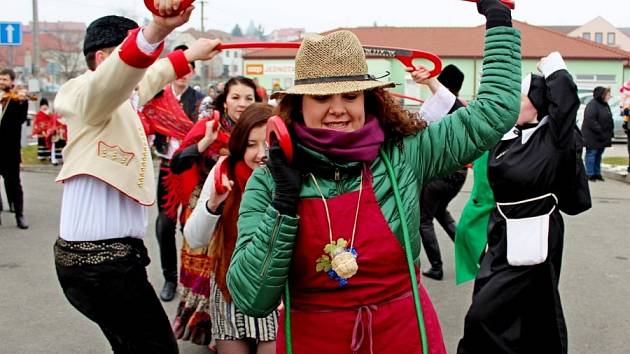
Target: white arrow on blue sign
column 10, row 33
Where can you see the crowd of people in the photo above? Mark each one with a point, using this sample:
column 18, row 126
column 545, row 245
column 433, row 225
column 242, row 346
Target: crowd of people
column 316, row 251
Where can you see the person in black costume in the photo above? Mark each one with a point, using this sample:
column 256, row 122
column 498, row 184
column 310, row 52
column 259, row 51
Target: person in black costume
column 534, row 172
column 165, row 226
column 13, row 113
column 436, row 194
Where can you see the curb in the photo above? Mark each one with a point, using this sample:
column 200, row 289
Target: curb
column 41, row 168
column 618, row 173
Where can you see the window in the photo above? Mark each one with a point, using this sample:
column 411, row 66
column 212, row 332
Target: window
column 599, row 37
column 611, row 38
column 586, row 35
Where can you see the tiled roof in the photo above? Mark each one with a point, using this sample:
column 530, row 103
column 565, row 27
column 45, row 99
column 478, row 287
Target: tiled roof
column 463, row 42
column 47, row 42
column 561, row 29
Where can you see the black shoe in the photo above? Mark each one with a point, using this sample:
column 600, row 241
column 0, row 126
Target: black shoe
column 434, row 273
column 21, row 222
column 168, row 291
column 592, row 178
column 599, row 178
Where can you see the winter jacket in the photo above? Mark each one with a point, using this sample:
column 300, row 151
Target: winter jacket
column 598, row 124
column 261, row 261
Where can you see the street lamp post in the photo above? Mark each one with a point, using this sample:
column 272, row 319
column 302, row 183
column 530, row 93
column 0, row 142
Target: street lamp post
column 35, row 64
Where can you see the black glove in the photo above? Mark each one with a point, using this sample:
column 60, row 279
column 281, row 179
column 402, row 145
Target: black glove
column 288, row 182
column 495, row 12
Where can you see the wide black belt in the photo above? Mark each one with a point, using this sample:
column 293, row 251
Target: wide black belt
column 82, row 253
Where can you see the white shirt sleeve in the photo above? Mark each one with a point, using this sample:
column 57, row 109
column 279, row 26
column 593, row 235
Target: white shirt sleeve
column 200, row 225
column 438, row 105
column 144, row 45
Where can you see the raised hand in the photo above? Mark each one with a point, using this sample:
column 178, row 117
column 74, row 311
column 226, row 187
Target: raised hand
column 166, row 7
column 202, row 49
column 160, row 27
column 287, row 179
column 215, row 199
column 496, row 13
column 421, row 75
column 209, row 136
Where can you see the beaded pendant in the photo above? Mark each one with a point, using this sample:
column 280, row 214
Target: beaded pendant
column 338, row 261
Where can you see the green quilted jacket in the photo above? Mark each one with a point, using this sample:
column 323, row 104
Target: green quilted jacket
column 260, row 264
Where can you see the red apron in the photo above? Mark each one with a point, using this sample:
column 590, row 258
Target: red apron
column 374, row 312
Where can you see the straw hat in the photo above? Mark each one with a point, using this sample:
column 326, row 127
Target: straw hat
column 331, row 64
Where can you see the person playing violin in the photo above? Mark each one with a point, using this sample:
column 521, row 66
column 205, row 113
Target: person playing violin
column 14, row 107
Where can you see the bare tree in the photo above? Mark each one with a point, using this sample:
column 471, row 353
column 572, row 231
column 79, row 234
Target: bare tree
column 65, row 51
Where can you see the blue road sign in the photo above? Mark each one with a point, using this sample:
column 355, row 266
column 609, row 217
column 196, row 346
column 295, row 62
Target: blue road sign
column 10, row 33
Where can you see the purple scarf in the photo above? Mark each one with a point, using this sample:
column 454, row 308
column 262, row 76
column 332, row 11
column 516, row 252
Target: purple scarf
column 360, row 145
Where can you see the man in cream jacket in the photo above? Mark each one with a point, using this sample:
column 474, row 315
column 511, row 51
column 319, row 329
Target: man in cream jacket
column 108, row 178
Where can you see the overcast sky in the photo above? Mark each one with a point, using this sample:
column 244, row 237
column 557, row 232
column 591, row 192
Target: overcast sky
column 321, row 15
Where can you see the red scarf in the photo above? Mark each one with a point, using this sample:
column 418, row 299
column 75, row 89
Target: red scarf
column 166, row 115
column 180, row 187
column 225, row 233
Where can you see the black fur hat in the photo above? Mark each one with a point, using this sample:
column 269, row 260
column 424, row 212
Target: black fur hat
column 106, row 32
column 452, row 78
column 535, row 87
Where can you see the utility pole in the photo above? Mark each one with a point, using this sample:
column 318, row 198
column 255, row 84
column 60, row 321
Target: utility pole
column 204, row 66
column 202, row 18
column 35, row 65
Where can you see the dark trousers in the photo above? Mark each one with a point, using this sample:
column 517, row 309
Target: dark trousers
column 593, row 161
column 11, row 174
column 434, row 200
column 118, row 297
column 165, row 231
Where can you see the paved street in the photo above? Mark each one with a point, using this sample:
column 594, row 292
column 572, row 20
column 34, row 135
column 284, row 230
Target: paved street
column 595, row 286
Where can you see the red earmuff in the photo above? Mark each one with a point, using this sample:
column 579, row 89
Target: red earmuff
column 277, row 128
column 220, row 169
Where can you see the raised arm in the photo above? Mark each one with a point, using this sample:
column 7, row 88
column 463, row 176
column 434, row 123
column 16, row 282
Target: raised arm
column 95, row 95
column 261, row 259
column 441, row 102
column 174, row 66
column 563, row 99
column 200, row 225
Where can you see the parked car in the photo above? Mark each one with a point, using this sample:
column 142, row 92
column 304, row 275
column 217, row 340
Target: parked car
column 619, row 135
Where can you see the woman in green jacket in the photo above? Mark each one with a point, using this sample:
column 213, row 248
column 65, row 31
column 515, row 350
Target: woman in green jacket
column 332, row 228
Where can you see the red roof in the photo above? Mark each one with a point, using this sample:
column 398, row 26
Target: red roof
column 47, row 42
column 464, row 42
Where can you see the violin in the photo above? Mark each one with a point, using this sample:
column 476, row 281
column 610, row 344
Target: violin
column 15, row 96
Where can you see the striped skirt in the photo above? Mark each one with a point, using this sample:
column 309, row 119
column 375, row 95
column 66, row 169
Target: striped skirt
column 229, row 323
column 43, row 150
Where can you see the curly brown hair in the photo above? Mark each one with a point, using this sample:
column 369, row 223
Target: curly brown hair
column 395, row 121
